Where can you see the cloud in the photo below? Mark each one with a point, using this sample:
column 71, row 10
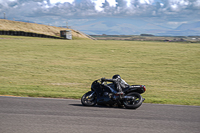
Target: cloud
column 61, row 1
column 169, row 12
column 99, row 8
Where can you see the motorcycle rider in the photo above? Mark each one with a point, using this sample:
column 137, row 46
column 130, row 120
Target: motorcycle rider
column 118, row 82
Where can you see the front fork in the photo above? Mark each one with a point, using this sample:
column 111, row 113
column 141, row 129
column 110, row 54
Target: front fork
column 91, row 94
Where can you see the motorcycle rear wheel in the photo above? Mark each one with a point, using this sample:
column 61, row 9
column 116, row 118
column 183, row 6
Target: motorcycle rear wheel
column 133, row 103
column 88, row 99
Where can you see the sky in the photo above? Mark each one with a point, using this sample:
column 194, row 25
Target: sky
column 106, row 16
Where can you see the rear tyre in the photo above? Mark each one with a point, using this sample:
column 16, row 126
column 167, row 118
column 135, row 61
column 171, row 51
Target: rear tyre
column 133, row 103
column 89, row 99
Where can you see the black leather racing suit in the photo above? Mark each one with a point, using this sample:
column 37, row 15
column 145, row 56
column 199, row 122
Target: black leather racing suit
column 119, row 83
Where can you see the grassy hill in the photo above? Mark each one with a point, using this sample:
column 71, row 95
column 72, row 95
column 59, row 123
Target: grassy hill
column 36, row 28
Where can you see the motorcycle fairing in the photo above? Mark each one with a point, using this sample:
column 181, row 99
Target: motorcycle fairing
column 100, row 89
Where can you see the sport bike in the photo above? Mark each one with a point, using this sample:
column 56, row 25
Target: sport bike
column 103, row 93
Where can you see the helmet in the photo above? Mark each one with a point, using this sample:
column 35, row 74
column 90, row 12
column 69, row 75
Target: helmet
column 117, row 76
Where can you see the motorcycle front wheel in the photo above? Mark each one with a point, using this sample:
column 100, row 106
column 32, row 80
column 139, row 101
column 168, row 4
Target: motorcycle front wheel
column 134, row 102
column 89, row 99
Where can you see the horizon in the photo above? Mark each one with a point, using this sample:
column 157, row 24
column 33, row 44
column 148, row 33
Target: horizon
column 142, row 34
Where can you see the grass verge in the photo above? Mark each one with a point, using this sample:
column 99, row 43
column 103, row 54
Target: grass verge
column 39, row 67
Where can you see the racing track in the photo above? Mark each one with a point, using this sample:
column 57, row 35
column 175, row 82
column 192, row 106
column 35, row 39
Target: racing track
column 40, row 115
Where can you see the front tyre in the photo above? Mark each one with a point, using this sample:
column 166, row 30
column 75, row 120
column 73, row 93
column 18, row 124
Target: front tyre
column 134, row 102
column 89, row 99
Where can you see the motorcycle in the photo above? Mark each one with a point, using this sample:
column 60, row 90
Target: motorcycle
column 103, row 93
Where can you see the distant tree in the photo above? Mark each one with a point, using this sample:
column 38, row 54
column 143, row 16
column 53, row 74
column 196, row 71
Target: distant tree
column 146, row 35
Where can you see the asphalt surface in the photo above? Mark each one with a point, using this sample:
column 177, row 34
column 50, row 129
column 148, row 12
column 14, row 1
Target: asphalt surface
column 41, row 115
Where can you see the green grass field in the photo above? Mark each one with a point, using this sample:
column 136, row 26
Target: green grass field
column 39, row 67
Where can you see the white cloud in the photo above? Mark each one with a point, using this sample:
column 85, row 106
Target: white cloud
column 161, row 4
column 175, row 24
column 48, row 10
column 174, row 7
column 112, row 2
column 128, row 3
column 98, row 4
column 3, row 1
column 61, row 1
column 146, row 1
